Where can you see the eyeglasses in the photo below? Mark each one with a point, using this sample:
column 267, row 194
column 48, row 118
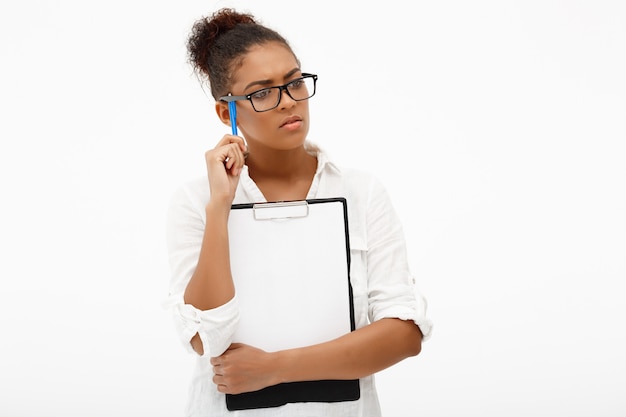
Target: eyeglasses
column 268, row 98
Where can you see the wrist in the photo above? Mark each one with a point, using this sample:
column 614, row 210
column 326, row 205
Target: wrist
column 217, row 207
column 282, row 364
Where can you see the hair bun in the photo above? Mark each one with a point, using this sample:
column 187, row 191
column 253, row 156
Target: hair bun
column 207, row 30
column 226, row 19
column 217, row 44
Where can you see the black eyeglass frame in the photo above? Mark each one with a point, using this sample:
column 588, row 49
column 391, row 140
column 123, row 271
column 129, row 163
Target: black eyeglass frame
column 229, row 98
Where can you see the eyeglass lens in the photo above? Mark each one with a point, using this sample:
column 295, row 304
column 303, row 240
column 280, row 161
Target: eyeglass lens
column 268, row 98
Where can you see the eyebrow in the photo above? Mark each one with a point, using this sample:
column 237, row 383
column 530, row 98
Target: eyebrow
column 269, row 82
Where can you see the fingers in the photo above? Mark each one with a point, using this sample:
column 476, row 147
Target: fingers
column 218, row 380
column 236, row 154
column 231, row 152
column 228, row 139
column 237, row 370
column 233, row 159
column 218, row 375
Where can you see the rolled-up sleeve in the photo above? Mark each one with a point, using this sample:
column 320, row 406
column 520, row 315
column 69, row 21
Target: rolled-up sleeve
column 185, row 231
column 392, row 291
column 215, row 327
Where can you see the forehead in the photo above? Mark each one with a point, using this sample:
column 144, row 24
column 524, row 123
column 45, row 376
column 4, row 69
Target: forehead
column 269, row 61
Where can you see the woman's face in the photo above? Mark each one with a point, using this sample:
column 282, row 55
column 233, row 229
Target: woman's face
column 284, row 127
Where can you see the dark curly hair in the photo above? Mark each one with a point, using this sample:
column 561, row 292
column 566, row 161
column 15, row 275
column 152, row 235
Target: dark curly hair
column 217, row 44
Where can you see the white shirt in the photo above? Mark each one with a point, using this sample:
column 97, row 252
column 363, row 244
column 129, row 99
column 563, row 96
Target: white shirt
column 382, row 284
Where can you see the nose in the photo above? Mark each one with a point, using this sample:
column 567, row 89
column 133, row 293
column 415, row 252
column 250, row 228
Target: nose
column 285, row 100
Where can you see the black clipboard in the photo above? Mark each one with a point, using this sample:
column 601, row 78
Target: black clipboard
column 287, row 296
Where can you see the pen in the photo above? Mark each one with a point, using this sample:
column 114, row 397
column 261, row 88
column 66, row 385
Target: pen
column 232, row 112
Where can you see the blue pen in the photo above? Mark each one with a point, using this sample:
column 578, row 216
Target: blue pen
column 232, row 112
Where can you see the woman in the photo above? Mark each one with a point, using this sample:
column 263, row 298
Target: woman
column 253, row 64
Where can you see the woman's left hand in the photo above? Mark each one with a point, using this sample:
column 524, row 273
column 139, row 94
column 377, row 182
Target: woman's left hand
column 243, row 368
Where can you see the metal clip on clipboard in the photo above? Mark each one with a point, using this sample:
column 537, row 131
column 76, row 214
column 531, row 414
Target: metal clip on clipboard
column 281, row 210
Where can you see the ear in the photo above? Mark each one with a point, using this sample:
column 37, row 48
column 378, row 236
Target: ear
column 221, row 108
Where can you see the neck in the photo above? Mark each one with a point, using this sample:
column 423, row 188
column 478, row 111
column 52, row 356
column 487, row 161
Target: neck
column 264, row 163
column 282, row 175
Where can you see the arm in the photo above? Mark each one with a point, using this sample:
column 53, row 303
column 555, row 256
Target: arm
column 211, row 284
column 358, row 354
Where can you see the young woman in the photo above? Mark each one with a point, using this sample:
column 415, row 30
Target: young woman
column 252, row 64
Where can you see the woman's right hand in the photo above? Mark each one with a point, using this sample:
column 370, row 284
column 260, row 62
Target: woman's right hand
column 224, row 164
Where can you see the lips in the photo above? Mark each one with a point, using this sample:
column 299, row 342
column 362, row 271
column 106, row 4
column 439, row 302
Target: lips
column 291, row 119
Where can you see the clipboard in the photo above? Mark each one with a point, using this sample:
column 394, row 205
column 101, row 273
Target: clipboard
column 290, row 263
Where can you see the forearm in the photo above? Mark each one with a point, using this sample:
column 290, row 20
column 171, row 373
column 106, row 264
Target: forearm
column 211, row 284
column 358, row 354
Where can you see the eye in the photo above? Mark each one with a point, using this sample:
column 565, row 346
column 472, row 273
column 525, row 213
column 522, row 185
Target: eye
column 261, row 94
column 295, row 84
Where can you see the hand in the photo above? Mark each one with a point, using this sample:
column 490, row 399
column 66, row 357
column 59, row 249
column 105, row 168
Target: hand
column 224, row 164
column 243, row 368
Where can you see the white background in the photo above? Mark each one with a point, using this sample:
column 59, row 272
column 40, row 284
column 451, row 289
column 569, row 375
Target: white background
column 497, row 126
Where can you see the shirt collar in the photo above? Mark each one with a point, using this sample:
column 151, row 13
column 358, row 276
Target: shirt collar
column 325, row 166
column 323, row 158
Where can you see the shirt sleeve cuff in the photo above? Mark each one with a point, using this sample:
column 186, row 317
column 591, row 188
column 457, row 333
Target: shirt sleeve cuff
column 215, row 327
column 407, row 308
